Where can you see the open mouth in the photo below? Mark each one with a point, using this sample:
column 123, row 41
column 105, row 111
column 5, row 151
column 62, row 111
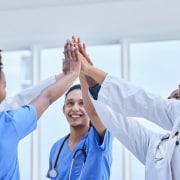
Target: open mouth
column 75, row 115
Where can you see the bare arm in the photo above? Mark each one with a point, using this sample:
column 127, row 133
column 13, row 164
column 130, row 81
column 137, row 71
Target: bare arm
column 95, row 120
column 52, row 93
column 26, row 95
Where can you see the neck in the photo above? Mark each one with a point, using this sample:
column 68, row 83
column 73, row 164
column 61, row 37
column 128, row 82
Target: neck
column 76, row 135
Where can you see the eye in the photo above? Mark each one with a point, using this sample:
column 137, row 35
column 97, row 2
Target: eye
column 81, row 103
column 69, row 103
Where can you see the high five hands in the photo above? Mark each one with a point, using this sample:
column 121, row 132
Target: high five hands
column 71, row 63
column 75, row 51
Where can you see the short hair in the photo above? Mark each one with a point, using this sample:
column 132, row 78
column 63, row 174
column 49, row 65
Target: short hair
column 74, row 87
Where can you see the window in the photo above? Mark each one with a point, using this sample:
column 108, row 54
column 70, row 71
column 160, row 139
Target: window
column 155, row 67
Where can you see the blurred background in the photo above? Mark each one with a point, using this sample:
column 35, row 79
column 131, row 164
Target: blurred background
column 138, row 40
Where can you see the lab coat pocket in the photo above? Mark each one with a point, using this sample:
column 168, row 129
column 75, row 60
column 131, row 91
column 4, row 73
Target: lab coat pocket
column 160, row 153
column 164, row 151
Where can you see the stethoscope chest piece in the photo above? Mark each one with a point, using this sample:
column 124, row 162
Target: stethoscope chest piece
column 53, row 173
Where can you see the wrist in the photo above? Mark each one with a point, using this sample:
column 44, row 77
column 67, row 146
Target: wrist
column 58, row 76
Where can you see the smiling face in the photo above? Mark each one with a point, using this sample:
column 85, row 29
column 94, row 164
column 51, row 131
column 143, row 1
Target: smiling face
column 74, row 109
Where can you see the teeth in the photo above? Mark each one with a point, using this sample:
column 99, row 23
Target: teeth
column 75, row 116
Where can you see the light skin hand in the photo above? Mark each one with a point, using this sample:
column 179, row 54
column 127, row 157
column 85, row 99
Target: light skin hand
column 71, row 53
column 71, row 61
column 82, row 48
column 53, row 92
column 86, row 68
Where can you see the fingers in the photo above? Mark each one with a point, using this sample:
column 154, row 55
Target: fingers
column 75, row 56
column 65, row 66
column 65, row 51
column 69, row 49
column 82, row 48
column 71, row 62
column 76, row 40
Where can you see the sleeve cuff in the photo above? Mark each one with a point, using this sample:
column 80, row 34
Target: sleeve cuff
column 94, row 91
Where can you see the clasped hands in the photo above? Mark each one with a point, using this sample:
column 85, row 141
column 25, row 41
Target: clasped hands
column 75, row 59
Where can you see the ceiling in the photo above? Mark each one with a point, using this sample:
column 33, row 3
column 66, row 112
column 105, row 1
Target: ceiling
column 25, row 24
column 6, row 5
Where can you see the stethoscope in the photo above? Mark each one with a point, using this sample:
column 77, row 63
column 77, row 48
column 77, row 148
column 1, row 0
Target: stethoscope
column 159, row 154
column 53, row 171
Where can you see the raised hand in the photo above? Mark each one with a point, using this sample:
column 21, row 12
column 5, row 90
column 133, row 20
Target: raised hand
column 82, row 48
column 85, row 60
column 71, row 63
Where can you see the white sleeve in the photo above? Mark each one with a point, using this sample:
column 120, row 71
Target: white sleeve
column 134, row 136
column 133, row 101
column 27, row 95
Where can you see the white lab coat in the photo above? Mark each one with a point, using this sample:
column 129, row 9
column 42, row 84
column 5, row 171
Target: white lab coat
column 118, row 101
column 27, row 95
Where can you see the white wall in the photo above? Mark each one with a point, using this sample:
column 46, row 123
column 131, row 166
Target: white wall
column 95, row 23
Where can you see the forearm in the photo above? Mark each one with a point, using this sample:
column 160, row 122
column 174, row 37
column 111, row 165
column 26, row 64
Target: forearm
column 86, row 99
column 53, row 92
column 88, row 105
column 26, row 95
column 95, row 73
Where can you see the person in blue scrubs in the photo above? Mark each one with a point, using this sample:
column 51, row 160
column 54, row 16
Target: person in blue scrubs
column 17, row 123
column 86, row 152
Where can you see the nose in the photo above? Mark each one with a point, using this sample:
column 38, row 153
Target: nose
column 75, row 107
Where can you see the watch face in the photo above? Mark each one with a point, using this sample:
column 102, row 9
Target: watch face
column 53, row 173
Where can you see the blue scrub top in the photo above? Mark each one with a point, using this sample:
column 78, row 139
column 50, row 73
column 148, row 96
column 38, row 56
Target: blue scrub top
column 98, row 161
column 14, row 125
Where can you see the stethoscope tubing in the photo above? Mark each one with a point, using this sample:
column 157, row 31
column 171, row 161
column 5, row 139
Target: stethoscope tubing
column 53, row 171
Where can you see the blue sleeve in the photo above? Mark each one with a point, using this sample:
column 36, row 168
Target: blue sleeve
column 24, row 120
column 94, row 91
column 106, row 144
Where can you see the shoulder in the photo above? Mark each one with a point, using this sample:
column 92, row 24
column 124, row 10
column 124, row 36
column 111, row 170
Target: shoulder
column 59, row 142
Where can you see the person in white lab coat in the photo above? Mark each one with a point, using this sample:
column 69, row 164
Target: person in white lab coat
column 118, row 101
